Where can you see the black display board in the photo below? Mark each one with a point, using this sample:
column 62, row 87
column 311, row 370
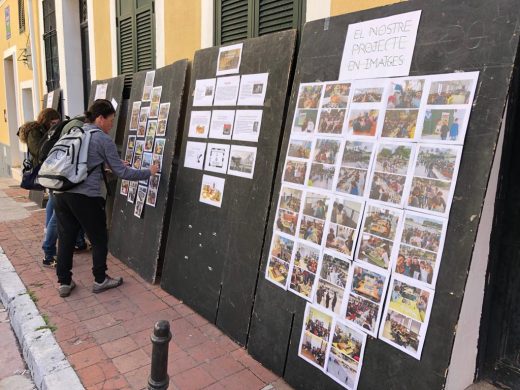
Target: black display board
column 114, row 90
column 452, row 36
column 55, row 100
column 213, row 254
column 139, row 242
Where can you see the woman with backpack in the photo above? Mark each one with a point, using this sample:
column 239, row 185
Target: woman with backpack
column 31, row 133
column 83, row 205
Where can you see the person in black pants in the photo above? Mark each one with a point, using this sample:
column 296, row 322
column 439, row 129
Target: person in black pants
column 84, row 206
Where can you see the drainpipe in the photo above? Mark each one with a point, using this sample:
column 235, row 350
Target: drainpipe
column 36, row 75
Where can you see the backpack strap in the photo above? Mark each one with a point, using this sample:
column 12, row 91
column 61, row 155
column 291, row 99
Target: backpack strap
column 104, row 176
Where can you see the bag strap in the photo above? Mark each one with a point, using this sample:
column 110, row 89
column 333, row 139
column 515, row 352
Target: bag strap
column 104, row 176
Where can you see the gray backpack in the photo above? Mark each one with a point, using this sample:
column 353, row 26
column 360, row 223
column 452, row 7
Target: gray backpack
column 66, row 164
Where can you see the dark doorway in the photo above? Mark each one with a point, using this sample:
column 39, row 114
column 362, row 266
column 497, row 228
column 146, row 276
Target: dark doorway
column 85, row 55
column 499, row 352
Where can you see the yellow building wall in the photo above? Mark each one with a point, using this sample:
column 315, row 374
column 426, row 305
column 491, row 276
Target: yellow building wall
column 102, row 39
column 181, row 29
column 20, row 41
column 338, row 7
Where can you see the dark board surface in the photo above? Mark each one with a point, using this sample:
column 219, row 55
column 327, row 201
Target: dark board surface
column 452, row 36
column 114, row 91
column 213, row 254
column 55, row 100
column 139, row 242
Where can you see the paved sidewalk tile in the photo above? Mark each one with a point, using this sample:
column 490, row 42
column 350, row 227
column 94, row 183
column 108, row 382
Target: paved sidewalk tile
column 106, row 337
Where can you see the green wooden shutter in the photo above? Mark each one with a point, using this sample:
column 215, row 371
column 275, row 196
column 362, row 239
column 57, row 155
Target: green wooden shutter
column 21, row 16
column 145, row 34
column 233, row 20
column 236, row 20
column 136, row 38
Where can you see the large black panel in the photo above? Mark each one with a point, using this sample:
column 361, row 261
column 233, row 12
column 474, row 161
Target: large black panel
column 114, row 91
column 139, row 242
column 452, row 36
column 213, row 254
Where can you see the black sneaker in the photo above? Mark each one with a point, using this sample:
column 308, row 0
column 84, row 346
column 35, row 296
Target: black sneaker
column 82, row 247
column 49, row 263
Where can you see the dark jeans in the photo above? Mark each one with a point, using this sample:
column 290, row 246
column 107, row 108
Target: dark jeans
column 73, row 212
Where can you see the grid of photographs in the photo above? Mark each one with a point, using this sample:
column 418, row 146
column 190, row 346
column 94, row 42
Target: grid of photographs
column 385, row 152
column 145, row 144
column 227, row 137
column 332, row 345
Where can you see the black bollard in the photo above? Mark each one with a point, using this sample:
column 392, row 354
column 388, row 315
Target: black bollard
column 159, row 379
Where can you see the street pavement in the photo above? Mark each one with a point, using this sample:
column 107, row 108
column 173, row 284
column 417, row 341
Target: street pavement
column 106, row 337
column 13, row 372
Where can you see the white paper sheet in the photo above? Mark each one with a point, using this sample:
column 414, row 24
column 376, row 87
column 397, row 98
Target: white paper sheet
column 226, row 92
column 101, row 91
column 212, row 190
column 247, row 125
column 194, row 156
column 204, row 92
column 380, row 47
column 199, row 124
column 252, row 89
column 222, row 124
column 229, row 58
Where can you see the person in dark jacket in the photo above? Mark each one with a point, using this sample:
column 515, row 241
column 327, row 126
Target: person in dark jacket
column 32, row 132
column 84, row 206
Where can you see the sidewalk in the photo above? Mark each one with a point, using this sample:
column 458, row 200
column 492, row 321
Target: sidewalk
column 106, row 337
column 13, row 373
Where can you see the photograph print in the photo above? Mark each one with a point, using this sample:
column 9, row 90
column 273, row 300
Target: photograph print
column 312, row 223
column 303, row 271
column 336, row 95
column 405, row 93
column 400, row 123
column 452, row 89
column 406, row 316
column 363, row 122
column 212, row 190
column 331, row 121
column 309, row 95
column 444, row 126
column 379, row 229
column 242, row 161
column 299, row 148
column 304, row 121
column 345, row 358
column 420, row 249
column 295, row 171
column 391, row 167
column 134, row 116
column 342, row 229
column 331, row 284
column 277, row 269
column 434, row 176
column 316, row 332
column 355, row 165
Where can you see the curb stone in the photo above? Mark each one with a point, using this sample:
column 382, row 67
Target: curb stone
column 49, row 367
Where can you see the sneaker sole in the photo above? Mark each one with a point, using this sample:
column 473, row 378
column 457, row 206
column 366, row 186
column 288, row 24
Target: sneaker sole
column 107, row 288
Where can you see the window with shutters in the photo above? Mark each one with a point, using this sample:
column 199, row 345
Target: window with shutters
column 21, row 16
column 50, row 40
column 85, row 50
column 240, row 19
column 136, row 37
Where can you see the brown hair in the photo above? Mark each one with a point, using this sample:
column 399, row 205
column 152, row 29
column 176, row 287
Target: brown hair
column 46, row 116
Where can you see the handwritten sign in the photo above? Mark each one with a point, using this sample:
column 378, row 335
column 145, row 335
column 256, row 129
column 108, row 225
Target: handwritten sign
column 380, row 47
